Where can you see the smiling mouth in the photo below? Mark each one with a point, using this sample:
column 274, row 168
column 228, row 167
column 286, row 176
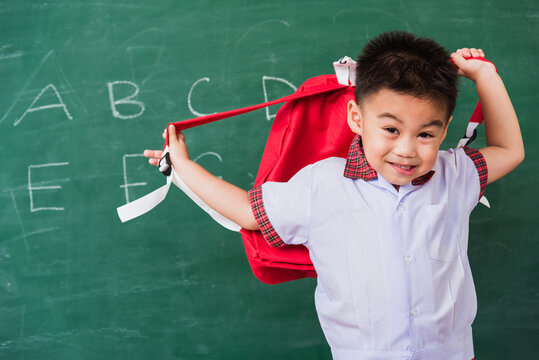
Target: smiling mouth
column 404, row 169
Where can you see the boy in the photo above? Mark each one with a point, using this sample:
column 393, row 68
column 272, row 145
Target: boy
column 387, row 228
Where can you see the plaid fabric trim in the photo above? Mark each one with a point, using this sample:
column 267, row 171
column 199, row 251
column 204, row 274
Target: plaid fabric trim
column 481, row 166
column 357, row 166
column 423, row 178
column 257, row 204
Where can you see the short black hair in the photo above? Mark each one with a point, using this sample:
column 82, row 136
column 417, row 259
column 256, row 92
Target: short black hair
column 407, row 64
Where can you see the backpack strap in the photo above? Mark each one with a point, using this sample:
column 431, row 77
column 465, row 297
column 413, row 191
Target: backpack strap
column 471, row 131
column 144, row 204
column 298, row 94
column 345, row 69
column 477, row 116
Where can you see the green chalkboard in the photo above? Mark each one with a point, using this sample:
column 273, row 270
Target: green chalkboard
column 87, row 85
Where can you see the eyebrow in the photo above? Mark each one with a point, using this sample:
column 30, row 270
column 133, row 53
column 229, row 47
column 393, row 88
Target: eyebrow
column 436, row 122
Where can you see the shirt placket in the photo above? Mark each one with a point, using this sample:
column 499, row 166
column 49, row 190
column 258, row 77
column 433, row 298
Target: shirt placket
column 408, row 263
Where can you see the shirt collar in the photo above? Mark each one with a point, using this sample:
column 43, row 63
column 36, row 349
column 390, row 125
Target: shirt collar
column 357, row 166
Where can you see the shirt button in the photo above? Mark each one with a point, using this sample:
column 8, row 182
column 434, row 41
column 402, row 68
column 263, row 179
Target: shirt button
column 414, row 312
column 401, row 207
column 408, row 259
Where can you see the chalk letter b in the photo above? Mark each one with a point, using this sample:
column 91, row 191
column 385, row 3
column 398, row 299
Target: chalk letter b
column 126, row 100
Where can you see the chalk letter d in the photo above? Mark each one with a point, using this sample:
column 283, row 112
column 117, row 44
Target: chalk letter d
column 273, row 78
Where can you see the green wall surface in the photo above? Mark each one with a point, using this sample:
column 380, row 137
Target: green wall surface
column 87, row 85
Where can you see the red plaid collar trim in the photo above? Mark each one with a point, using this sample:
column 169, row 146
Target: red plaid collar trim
column 357, row 166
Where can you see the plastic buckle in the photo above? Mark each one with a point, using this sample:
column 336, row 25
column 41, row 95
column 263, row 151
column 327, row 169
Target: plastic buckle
column 471, row 138
column 165, row 165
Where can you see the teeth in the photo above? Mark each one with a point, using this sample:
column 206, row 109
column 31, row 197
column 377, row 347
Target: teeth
column 405, row 167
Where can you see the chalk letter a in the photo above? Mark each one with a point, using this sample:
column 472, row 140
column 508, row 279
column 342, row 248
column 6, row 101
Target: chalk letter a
column 31, row 108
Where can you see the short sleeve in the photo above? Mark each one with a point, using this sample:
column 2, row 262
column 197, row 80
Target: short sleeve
column 480, row 165
column 468, row 175
column 282, row 209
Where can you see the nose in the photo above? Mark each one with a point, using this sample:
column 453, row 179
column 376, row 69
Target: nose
column 405, row 147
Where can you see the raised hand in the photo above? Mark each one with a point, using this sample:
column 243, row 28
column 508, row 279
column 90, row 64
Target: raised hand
column 470, row 68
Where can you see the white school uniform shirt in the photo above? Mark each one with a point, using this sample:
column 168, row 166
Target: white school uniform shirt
column 394, row 281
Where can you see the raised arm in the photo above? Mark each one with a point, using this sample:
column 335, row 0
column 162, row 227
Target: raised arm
column 505, row 149
column 225, row 198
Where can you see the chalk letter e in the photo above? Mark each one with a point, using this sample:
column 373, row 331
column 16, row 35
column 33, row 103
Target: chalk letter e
column 125, row 100
column 32, row 188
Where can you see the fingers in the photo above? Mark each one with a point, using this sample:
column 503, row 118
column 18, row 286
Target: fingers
column 173, row 136
column 171, row 131
column 153, row 155
column 471, row 52
column 477, row 53
column 459, row 61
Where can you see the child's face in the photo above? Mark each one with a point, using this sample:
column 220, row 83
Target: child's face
column 401, row 134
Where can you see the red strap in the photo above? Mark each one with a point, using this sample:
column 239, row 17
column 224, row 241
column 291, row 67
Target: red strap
column 298, row 94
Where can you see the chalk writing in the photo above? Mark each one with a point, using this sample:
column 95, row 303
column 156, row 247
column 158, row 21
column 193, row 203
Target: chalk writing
column 126, row 100
column 127, row 185
column 196, row 113
column 32, row 109
column 32, row 189
column 272, row 78
column 50, row 66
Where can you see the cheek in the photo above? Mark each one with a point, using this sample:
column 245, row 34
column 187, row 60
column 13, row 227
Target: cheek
column 375, row 150
column 429, row 156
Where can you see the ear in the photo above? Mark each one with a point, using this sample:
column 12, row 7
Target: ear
column 354, row 117
column 446, row 127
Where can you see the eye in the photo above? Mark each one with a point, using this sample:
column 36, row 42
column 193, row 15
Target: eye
column 392, row 130
column 425, row 135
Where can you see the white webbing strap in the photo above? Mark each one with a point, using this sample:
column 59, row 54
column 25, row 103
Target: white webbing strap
column 484, row 201
column 221, row 219
column 471, row 132
column 345, row 69
column 144, row 204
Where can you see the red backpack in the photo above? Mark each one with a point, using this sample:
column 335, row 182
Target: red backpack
column 309, row 127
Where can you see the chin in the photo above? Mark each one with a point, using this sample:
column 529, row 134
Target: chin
column 400, row 182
